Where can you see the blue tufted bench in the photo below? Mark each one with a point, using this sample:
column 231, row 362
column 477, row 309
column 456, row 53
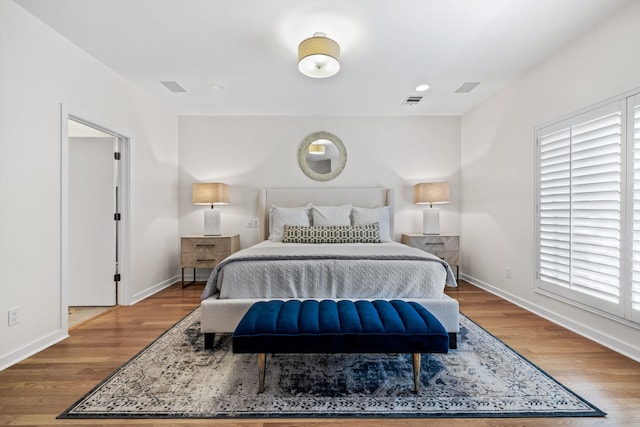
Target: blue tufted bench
column 329, row 326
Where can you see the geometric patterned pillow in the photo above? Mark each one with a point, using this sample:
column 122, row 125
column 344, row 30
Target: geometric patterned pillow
column 369, row 233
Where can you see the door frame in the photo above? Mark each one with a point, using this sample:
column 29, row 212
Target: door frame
column 123, row 244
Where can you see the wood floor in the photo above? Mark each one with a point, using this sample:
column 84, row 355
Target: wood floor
column 36, row 390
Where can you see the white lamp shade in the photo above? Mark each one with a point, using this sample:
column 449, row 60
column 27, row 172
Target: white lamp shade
column 210, row 193
column 431, row 193
column 316, row 149
column 318, row 56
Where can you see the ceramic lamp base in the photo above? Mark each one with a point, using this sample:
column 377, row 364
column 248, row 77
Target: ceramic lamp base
column 212, row 222
column 431, row 221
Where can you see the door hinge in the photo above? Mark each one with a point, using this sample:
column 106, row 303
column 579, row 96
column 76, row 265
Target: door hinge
column 116, row 277
column 117, row 217
column 116, row 156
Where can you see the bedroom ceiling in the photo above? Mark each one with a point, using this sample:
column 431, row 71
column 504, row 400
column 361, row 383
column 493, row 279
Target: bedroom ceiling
column 240, row 57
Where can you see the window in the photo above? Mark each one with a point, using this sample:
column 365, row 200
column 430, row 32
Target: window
column 635, row 165
column 588, row 208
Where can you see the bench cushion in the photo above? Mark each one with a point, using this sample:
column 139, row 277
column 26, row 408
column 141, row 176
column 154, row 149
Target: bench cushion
column 329, row 326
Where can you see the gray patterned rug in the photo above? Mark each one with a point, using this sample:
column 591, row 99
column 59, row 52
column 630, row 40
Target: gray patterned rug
column 175, row 378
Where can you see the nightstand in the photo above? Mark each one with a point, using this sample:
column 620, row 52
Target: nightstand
column 445, row 246
column 206, row 251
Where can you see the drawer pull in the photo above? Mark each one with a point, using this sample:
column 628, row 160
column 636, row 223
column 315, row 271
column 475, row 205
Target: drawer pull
column 205, row 244
column 205, row 260
column 434, row 244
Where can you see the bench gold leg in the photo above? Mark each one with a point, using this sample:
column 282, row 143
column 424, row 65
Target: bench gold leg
column 262, row 359
column 416, row 372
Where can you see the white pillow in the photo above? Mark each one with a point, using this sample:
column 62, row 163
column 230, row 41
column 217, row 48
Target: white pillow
column 279, row 217
column 325, row 216
column 364, row 216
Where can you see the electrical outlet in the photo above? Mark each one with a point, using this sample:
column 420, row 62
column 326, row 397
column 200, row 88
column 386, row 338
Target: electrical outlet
column 255, row 223
column 14, row 316
column 507, row 272
column 249, row 223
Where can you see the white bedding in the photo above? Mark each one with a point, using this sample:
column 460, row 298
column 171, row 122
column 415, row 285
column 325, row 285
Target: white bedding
column 347, row 270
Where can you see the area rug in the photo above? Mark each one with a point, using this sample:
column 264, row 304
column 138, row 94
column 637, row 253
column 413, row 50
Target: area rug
column 174, row 377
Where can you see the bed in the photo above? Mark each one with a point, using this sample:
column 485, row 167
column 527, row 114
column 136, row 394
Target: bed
column 326, row 243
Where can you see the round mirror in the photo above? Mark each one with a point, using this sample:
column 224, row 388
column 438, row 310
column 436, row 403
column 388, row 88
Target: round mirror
column 322, row 156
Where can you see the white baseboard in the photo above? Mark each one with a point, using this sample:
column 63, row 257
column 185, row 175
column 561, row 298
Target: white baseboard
column 153, row 290
column 202, row 275
column 31, row 349
column 601, row 338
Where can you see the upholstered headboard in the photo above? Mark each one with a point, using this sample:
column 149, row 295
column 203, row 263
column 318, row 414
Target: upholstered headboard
column 293, row 197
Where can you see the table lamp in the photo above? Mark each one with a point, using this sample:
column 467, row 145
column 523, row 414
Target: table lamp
column 431, row 193
column 211, row 193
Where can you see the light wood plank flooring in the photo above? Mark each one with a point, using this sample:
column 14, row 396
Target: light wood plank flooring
column 36, row 390
column 81, row 315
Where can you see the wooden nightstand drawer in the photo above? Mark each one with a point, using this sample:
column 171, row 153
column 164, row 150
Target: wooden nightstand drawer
column 446, row 247
column 206, row 251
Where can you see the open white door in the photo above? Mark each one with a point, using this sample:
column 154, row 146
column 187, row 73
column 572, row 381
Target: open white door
column 92, row 236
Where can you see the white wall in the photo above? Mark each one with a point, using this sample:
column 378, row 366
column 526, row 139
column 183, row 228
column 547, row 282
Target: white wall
column 40, row 71
column 250, row 153
column 498, row 167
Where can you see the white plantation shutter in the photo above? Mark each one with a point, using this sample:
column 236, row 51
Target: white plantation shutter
column 588, row 198
column 596, row 165
column 635, row 282
column 580, row 205
column 555, row 207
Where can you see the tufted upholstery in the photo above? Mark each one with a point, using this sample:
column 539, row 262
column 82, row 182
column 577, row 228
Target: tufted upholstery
column 343, row 326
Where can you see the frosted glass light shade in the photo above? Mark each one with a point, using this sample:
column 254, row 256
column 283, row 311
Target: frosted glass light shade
column 318, row 56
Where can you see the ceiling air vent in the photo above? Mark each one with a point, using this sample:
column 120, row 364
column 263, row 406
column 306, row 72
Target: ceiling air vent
column 467, row 87
column 412, row 100
column 173, row 87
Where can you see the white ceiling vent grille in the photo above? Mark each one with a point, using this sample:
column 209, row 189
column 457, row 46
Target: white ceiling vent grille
column 173, row 87
column 467, row 87
column 412, row 100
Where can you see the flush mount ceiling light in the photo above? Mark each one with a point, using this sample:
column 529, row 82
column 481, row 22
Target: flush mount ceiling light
column 422, row 88
column 318, row 56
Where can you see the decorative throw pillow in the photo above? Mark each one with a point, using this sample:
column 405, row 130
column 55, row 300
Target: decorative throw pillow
column 363, row 216
column 333, row 234
column 278, row 217
column 331, row 215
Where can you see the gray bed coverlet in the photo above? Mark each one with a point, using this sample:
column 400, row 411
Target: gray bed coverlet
column 345, row 270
